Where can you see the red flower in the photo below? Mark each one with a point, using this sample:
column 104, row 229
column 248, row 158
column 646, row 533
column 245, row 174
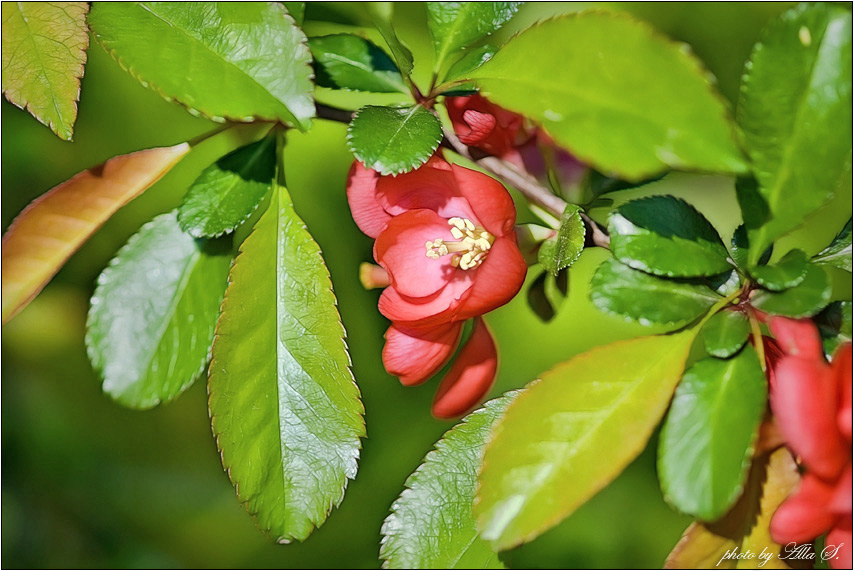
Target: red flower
column 445, row 236
column 811, row 401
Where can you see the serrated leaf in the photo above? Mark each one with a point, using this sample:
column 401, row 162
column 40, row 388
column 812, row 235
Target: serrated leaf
column 838, row 253
column 345, row 61
column 381, row 14
column 296, row 11
column 238, row 61
column 284, row 407
column 788, row 272
column 745, row 527
column 578, row 76
column 666, row 236
column 619, row 290
column 795, row 111
column 431, row 525
column 456, row 25
column 471, row 60
column 393, row 141
column 44, row 50
column 56, row 224
column 566, row 436
column 740, row 246
column 152, row 318
column 228, row 192
column 725, row 333
column 707, row 440
column 804, row 300
column 561, row 251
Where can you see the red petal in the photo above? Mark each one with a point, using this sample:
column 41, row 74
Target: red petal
column 431, row 187
column 797, row 337
column 480, row 126
column 841, row 502
column 841, row 365
column 803, row 516
column 426, row 312
column 415, row 356
column 804, row 402
column 497, row 280
column 400, row 249
column 493, row 207
column 838, row 545
column 361, row 194
column 470, row 377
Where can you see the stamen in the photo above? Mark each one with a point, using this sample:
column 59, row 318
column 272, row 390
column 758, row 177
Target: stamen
column 470, row 248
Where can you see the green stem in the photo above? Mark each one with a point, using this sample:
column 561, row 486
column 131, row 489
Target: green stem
column 720, row 305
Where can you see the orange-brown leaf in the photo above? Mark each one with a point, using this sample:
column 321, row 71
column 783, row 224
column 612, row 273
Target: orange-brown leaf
column 56, row 224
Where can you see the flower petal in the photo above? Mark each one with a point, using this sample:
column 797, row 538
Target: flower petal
column 497, row 280
column 804, row 402
column 480, row 126
column 400, row 249
column 839, row 537
column 425, row 312
column 492, row 204
column 797, row 337
column 415, row 356
column 361, row 195
column 431, row 186
column 840, row 504
column 841, row 365
column 470, row 377
column 803, row 516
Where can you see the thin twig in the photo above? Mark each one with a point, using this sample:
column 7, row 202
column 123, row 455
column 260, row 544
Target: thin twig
column 334, row 113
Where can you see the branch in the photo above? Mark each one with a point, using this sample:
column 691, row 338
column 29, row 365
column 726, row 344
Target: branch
column 333, row 113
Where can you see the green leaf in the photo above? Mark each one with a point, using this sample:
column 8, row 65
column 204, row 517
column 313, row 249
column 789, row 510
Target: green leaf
column 666, row 236
column 838, row 253
column 567, row 436
column 788, row 272
column 431, row 525
column 547, row 293
column 578, row 76
column 619, row 290
column 835, row 325
column 44, row 49
column 456, row 25
column 238, row 61
column 393, row 141
column 740, row 247
column 229, row 191
column 381, row 14
column 152, row 318
column 795, row 111
column 725, row 333
column 561, row 251
column 345, row 61
column 285, row 410
column 471, row 60
column 804, row 300
column 707, row 440
column 296, row 10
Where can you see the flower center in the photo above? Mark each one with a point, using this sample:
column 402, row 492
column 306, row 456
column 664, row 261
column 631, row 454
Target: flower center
column 470, row 247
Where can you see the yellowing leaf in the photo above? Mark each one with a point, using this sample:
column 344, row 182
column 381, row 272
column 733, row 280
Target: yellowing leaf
column 55, row 225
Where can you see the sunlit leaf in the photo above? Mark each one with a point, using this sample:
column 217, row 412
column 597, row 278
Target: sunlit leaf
column 578, row 75
column 566, row 436
column 296, row 10
column 704, row 545
column 44, row 49
column 562, row 250
column 153, row 313
column 725, row 333
column 52, row 227
column 346, row 61
column 804, row 300
column 381, row 13
column 285, row 410
column 707, row 440
column 838, row 253
column 431, row 525
column 795, row 111
column 394, row 141
column 238, row 60
column 788, row 271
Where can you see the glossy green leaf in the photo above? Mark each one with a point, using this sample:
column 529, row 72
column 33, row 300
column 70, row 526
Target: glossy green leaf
column 561, row 251
column 666, row 236
column 835, row 325
column 795, row 111
column 838, row 253
column 381, row 14
column 566, row 436
column 707, row 440
column 345, row 61
column 740, row 247
column 619, row 290
column 456, row 25
column 726, row 283
column 44, row 50
column 547, row 293
column 471, row 60
column 788, row 272
column 285, row 410
column 229, row 191
column 804, row 300
column 153, row 313
column 394, row 141
column 296, row 10
column 238, row 61
column 578, row 76
column 431, row 525
column 725, row 333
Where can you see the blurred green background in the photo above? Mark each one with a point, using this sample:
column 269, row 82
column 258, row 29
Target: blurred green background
column 87, row 483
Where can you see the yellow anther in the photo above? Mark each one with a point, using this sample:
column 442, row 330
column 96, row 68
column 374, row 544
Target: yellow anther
column 469, row 248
